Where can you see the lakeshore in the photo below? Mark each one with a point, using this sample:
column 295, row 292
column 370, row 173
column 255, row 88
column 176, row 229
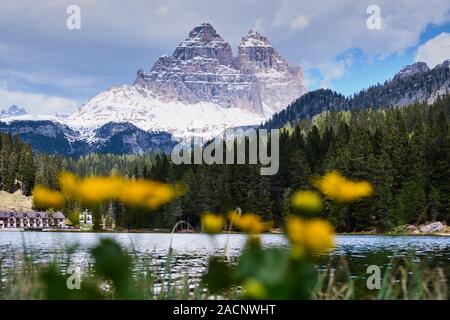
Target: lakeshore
column 167, row 231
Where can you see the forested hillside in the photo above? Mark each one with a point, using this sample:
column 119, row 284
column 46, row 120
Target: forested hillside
column 403, row 152
column 16, row 163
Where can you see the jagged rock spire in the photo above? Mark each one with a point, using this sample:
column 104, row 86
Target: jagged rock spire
column 204, row 33
column 203, row 41
column 255, row 39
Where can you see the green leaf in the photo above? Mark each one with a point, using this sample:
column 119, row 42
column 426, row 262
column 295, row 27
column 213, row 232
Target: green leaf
column 218, row 276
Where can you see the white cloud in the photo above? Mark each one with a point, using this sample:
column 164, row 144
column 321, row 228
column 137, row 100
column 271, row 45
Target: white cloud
column 435, row 50
column 41, row 77
column 36, row 103
column 314, row 31
column 333, row 26
column 323, row 75
column 333, row 70
column 259, row 25
column 162, row 10
column 5, row 51
column 300, row 22
column 337, row 26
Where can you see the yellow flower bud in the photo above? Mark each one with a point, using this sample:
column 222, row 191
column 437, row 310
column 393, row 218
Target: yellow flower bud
column 310, row 236
column 307, row 202
column 69, row 183
column 318, row 236
column 139, row 193
column 249, row 222
column 212, row 223
column 337, row 187
column 254, row 289
column 44, row 198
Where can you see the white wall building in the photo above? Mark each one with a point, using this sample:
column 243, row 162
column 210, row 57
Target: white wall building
column 32, row 220
column 86, row 218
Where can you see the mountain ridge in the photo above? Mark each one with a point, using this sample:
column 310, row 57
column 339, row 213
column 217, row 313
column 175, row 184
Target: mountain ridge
column 54, row 137
column 413, row 83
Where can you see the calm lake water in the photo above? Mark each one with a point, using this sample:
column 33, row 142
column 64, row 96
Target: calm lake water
column 191, row 251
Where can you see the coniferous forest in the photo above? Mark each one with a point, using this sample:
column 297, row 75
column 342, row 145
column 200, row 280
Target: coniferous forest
column 403, row 152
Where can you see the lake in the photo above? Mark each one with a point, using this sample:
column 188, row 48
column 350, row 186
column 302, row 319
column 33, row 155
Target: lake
column 191, row 251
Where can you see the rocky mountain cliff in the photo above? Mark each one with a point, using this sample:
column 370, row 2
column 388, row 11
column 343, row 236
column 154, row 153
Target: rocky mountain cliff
column 201, row 88
column 202, row 69
column 279, row 82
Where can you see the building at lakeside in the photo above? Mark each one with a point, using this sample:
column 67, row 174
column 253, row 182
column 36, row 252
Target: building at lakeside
column 107, row 221
column 31, row 220
column 86, row 221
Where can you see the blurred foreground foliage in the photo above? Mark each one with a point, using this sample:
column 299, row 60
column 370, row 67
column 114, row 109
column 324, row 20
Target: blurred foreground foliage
column 260, row 273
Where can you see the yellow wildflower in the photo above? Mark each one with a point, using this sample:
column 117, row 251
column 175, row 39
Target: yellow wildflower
column 136, row 193
column 295, row 230
column 254, row 289
column 233, row 216
column 212, row 223
column 144, row 193
column 69, row 183
column 249, row 222
column 307, row 201
column 337, row 187
column 311, row 236
column 44, row 198
column 318, row 235
column 99, row 189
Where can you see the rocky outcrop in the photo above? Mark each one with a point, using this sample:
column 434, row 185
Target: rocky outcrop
column 432, row 227
column 429, row 228
column 444, row 65
column 418, row 67
column 201, row 80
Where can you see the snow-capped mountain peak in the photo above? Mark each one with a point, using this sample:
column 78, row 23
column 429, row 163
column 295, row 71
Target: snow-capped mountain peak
column 255, row 39
column 13, row 111
column 204, row 42
column 201, row 87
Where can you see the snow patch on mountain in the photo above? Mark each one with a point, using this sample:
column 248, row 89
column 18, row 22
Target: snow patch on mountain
column 31, row 117
column 139, row 106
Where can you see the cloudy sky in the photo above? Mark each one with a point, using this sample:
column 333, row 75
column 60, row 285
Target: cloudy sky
column 47, row 68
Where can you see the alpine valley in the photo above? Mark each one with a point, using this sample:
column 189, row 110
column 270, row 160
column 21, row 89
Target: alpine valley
column 203, row 89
